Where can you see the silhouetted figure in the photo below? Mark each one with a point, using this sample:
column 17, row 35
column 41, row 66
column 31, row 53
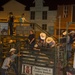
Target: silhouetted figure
column 31, row 39
column 10, row 22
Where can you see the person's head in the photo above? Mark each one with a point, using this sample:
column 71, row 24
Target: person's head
column 23, row 15
column 31, row 31
column 72, row 33
column 64, row 33
column 12, row 51
column 10, row 13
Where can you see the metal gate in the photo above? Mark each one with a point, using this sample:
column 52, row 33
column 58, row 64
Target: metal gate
column 41, row 62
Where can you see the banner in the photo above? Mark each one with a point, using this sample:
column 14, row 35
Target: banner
column 35, row 70
column 42, row 71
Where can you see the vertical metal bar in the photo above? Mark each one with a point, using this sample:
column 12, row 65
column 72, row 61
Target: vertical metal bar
column 59, row 27
column 59, row 35
column 65, row 51
column 55, row 59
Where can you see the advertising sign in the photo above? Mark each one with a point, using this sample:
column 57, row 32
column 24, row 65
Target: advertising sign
column 42, row 71
column 3, row 28
column 35, row 70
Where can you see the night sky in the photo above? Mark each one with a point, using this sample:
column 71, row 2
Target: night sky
column 51, row 3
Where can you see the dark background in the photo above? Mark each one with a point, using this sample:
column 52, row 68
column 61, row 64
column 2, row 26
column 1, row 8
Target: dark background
column 51, row 3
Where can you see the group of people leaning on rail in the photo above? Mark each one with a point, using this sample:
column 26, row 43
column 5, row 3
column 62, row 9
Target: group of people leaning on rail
column 42, row 42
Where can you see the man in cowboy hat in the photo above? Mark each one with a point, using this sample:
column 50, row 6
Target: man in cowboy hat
column 42, row 36
column 50, row 42
column 13, row 56
column 69, row 42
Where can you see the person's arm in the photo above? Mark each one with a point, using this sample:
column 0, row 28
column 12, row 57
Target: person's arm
column 37, row 49
column 68, row 73
column 25, row 20
column 32, row 40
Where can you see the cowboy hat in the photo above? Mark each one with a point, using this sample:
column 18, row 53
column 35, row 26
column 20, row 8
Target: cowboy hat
column 42, row 36
column 36, row 45
column 65, row 33
column 49, row 39
column 72, row 32
column 12, row 49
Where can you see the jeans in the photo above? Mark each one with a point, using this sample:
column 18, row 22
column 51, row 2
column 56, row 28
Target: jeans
column 13, row 65
column 11, row 28
column 69, row 49
column 32, row 45
column 3, row 72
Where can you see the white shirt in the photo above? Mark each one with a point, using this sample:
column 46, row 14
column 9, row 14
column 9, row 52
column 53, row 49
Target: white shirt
column 23, row 19
column 6, row 62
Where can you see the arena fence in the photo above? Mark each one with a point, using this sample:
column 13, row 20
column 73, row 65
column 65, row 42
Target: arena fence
column 32, row 62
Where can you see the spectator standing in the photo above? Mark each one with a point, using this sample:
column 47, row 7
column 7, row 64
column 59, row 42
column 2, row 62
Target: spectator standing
column 31, row 39
column 11, row 22
column 22, row 19
column 69, row 41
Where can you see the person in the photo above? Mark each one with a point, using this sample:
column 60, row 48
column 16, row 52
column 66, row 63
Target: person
column 50, row 42
column 22, row 19
column 10, row 22
column 31, row 39
column 69, row 44
column 69, row 41
column 42, row 43
column 13, row 56
column 5, row 65
column 42, row 40
column 36, row 50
